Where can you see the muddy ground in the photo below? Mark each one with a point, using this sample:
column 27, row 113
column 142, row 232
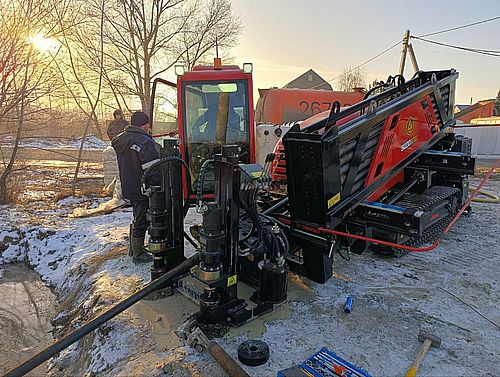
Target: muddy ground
column 451, row 291
column 26, row 307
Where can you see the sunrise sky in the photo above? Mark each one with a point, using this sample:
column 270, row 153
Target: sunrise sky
column 284, row 38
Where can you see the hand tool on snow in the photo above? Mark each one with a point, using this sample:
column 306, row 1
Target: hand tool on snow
column 427, row 340
column 198, row 340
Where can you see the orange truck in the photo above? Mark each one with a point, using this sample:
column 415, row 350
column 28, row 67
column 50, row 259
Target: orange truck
column 276, row 106
column 277, row 109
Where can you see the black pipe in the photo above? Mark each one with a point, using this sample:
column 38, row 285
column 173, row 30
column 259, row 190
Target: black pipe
column 190, row 240
column 86, row 329
column 276, row 207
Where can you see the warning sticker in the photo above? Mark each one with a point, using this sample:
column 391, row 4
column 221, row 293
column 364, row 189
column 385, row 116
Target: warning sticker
column 408, row 144
column 334, row 200
column 232, row 280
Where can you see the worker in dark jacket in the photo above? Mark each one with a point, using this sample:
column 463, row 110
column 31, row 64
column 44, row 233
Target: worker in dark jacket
column 136, row 151
column 117, row 125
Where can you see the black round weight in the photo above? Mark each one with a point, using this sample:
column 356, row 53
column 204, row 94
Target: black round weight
column 253, row 353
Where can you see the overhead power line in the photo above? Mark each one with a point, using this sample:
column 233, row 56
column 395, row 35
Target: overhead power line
column 360, row 65
column 421, row 37
column 460, row 27
column 495, row 53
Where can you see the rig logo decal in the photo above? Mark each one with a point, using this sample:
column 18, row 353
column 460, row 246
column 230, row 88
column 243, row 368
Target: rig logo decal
column 410, row 126
column 232, row 280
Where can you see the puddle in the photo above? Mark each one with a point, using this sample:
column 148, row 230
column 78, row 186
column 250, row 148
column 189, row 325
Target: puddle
column 26, row 308
column 298, row 290
column 167, row 314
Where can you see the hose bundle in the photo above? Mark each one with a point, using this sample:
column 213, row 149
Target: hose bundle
column 163, row 161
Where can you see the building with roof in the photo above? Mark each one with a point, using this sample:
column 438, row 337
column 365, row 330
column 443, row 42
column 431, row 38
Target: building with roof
column 309, row 80
column 481, row 109
column 459, row 108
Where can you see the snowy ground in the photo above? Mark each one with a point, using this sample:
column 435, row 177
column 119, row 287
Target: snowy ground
column 85, row 261
column 91, row 143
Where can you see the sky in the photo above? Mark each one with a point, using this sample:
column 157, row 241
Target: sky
column 284, row 38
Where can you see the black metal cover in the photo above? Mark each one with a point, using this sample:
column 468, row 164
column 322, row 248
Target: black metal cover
column 326, row 171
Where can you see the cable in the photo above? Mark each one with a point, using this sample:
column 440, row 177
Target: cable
column 470, row 306
column 190, row 240
column 201, row 179
column 470, row 49
column 460, row 27
column 168, row 160
column 359, row 66
column 493, row 198
column 495, row 53
column 391, row 81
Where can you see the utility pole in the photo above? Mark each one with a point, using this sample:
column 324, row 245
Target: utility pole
column 413, row 58
column 406, row 38
column 407, row 47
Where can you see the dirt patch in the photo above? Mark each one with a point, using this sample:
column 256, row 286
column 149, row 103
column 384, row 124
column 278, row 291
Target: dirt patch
column 50, row 181
column 113, row 253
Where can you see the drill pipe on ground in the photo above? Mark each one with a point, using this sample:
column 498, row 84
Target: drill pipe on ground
column 86, row 329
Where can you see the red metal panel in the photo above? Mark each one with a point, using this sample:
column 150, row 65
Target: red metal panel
column 209, row 73
column 404, row 132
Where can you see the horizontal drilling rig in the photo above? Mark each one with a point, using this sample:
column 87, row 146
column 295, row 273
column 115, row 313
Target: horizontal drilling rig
column 386, row 174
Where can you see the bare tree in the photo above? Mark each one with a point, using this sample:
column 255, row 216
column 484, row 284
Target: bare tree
column 146, row 38
column 80, row 63
column 24, row 71
column 216, row 25
column 351, row 78
column 82, row 66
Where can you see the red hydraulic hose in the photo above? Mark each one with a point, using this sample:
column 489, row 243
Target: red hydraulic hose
column 381, row 242
column 425, row 248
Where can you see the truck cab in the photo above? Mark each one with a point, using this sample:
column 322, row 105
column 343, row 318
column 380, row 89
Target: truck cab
column 208, row 107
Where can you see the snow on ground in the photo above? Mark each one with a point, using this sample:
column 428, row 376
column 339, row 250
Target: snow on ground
column 91, row 143
column 85, row 261
column 394, row 298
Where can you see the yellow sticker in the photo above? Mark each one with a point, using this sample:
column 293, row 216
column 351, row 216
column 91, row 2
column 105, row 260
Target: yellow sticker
column 410, row 126
column 231, row 280
column 334, row 200
column 256, row 174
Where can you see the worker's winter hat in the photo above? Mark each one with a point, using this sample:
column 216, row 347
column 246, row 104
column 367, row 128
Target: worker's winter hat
column 139, row 119
column 118, row 112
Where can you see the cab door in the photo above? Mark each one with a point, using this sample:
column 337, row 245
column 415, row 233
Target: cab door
column 164, row 111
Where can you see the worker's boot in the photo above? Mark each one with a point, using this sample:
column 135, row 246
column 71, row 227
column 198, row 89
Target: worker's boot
column 139, row 255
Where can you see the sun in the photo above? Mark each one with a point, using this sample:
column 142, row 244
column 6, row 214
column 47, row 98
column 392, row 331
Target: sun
column 44, row 44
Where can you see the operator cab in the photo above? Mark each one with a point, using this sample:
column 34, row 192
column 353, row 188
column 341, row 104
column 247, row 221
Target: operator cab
column 209, row 107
